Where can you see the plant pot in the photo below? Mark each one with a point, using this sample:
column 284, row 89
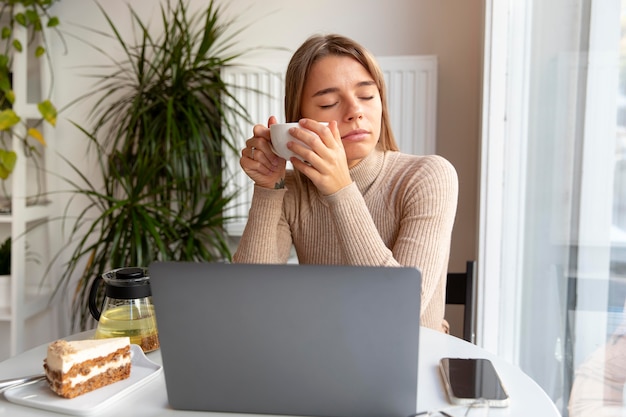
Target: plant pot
column 5, row 291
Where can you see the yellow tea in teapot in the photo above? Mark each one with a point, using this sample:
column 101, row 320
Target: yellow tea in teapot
column 136, row 322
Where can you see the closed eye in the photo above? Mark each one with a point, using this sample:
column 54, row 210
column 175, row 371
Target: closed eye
column 328, row 106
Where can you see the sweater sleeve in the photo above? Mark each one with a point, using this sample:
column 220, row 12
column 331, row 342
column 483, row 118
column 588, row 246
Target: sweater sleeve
column 427, row 210
column 426, row 232
column 266, row 237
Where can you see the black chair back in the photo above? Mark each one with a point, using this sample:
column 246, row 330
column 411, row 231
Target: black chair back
column 460, row 291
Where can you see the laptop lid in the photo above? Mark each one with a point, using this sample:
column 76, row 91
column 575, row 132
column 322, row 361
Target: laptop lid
column 302, row 340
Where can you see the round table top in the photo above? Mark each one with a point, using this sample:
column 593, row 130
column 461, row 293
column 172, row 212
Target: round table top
column 526, row 397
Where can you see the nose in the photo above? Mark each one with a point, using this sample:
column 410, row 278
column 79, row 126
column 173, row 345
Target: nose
column 354, row 110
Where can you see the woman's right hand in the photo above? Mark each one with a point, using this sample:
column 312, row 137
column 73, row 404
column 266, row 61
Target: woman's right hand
column 258, row 161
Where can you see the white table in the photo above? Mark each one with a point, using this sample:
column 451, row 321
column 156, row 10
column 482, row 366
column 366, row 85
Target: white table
column 527, row 398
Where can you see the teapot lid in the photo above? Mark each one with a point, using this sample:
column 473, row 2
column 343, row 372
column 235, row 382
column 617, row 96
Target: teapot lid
column 127, row 283
column 130, row 273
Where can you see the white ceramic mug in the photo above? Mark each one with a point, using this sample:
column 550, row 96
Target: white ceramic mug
column 279, row 133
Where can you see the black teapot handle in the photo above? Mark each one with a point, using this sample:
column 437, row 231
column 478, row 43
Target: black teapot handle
column 93, row 295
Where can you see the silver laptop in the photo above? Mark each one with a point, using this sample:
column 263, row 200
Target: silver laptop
column 298, row 340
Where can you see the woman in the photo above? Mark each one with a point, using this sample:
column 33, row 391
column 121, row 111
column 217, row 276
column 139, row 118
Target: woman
column 357, row 200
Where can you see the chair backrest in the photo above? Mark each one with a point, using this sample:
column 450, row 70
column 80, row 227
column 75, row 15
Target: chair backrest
column 460, row 290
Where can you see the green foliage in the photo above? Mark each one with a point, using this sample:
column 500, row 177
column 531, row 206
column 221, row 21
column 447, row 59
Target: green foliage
column 33, row 15
column 7, row 163
column 159, row 129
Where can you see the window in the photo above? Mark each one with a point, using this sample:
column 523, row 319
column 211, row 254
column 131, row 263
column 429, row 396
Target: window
column 553, row 197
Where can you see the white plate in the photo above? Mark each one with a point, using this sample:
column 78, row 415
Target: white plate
column 39, row 394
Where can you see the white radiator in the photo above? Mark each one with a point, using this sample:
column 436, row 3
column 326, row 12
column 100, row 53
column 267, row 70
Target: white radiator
column 412, row 99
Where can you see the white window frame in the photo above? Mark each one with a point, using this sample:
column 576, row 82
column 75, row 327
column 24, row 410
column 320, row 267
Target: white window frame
column 503, row 162
column 503, row 122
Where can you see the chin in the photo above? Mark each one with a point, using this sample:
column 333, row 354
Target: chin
column 356, row 157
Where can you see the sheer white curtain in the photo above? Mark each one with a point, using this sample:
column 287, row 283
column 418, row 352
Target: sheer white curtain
column 553, row 204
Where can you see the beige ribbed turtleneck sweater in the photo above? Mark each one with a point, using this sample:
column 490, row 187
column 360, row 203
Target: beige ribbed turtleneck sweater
column 399, row 211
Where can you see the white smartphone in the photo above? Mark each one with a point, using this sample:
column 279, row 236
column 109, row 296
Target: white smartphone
column 468, row 380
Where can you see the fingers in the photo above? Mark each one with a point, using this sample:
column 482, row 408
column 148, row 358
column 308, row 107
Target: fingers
column 248, row 152
column 257, row 159
column 326, row 164
column 257, row 166
column 260, row 141
column 321, row 140
column 261, row 155
column 258, row 149
column 327, row 132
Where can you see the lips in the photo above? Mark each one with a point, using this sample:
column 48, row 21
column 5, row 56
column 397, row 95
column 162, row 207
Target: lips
column 355, row 135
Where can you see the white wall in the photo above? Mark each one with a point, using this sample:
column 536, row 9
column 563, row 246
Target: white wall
column 450, row 29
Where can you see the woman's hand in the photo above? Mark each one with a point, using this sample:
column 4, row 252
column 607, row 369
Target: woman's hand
column 327, row 165
column 259, row 162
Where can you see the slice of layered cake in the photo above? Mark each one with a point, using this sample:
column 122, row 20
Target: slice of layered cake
column 77, row 367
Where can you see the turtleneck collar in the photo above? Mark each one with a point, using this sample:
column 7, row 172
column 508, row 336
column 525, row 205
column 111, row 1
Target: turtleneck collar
column 365, row 172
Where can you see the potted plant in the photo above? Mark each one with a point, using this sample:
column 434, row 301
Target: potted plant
column 32, row 15
column 160, row 127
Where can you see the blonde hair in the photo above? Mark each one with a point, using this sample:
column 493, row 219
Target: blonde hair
column 317, row 47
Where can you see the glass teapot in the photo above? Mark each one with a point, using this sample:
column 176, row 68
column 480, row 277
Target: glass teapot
column 127, row 308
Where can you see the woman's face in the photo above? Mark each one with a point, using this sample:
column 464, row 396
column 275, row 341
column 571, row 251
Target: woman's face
column 340, row 88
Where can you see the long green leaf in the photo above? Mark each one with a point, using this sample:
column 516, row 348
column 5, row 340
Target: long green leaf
column 160, row 120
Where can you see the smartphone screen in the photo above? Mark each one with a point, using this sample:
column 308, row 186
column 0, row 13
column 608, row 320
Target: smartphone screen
column 470, row 379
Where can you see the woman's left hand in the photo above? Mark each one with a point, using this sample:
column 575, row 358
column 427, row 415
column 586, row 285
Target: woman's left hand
column 327, row 165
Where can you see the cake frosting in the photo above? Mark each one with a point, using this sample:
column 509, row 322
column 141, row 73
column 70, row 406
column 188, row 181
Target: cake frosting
column 76, row 367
